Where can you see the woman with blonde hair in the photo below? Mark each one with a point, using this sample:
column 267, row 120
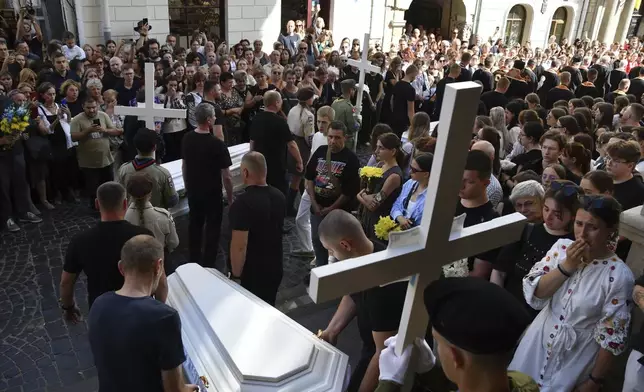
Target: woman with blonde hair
column 28, row 76
column 497, row 115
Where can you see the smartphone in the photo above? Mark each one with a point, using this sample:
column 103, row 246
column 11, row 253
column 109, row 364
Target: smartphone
column 96, row 121
column 33, row 96
column 63, row 101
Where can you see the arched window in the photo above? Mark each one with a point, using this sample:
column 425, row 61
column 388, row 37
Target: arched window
column 558, row 25
column 515, row 25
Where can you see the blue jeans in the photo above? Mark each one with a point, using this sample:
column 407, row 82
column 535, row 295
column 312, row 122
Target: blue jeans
column 321, row 254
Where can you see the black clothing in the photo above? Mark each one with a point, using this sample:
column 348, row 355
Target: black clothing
column 378, row 310
column 260, row 212
column 440, row 93
column 636, row 88
column 518, row 258
column 465, row 76
column 602, row 78
column 635, row 72
column 204, row 156
column 110, row 81
column 492, row 99
column 615, row 77
column 558, row 93
column 289, row 101
column 403, row 93
column 589, row 89
column 474, row 216
column 550, row 81
column 127, row 95
column 530, row 160
column 629, row 193
column 345, row 179
column 97, row 252
column 570, row 176
column 485, row 77
column 575, row 79
column 389, row 90
column 518, row 89
column 610, row 97
column 57, row 79
column 270, row 135
column 132, row 341
column 95, row 178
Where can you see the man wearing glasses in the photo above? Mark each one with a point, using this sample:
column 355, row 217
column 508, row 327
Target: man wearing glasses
column 290, row 40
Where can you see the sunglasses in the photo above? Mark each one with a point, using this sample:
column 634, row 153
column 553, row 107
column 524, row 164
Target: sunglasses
column 414, row 170
column 568, row 188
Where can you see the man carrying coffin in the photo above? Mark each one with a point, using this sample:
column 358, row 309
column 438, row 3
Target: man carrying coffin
column 256, row 220
column 476, row 325
column 378, row 309
column 135, row 339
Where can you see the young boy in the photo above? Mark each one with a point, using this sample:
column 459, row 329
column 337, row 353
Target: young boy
column 70, row 49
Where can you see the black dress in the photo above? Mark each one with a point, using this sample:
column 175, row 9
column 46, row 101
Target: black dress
column 385, row 113
column 370, row 218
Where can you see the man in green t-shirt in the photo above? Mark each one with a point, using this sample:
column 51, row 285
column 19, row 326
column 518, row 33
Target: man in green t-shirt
column 91, row 130
column 346, row 113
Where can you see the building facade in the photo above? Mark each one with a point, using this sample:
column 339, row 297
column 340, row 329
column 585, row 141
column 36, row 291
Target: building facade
column 511, row 20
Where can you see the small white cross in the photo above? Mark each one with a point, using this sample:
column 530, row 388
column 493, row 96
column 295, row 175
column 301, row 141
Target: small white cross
column 149, row 110
column 364, row 65
column 421, row 252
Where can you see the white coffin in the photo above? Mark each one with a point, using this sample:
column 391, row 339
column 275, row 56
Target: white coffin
column 174, row 167
column 240, row 343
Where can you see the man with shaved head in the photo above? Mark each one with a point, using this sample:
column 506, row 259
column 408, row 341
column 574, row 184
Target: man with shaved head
column 256, row 220
column 378, row 309
column 494, row 190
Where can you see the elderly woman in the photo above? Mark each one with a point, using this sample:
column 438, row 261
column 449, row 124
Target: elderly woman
column 556, row 208
column 583, row 291
column 232, row 105
column 94, row 89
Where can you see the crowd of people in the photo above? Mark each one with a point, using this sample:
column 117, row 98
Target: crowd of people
column 558, row 139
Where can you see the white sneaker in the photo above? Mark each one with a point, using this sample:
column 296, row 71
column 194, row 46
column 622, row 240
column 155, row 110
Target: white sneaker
column 30, row 217
column 12, row 226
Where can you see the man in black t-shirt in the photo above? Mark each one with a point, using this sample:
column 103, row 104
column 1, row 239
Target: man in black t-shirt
column 454, row 72
column 211, row 94
column 256, row 220
column 378, row 309
column 271, row 136
column 97, row 252
column 492, row 99
column 127, row 87
column 332, row 182
column 404, row 98
column 206, row 163
column 135, row 339
column 475, row 204
column 561, row 92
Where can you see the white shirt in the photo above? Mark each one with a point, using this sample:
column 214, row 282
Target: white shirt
column 73, row 53
column 301, row 124
column 318, row 140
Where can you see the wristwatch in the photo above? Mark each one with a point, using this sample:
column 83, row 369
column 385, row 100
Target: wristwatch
column 379, row 196
column 66, row 308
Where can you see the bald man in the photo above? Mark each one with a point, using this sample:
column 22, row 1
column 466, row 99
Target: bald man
column 256, row 220
column 494, row 190
column 378, row 309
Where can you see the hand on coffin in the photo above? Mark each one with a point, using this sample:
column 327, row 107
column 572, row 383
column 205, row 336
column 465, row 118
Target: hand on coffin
column 328, row 337
column 393, row 367
column 73, row 315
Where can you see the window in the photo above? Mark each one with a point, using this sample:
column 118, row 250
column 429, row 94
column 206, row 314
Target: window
column 558, row 25
column 515, row 25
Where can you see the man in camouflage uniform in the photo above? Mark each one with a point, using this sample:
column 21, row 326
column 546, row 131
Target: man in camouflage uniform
column 164, row 194
column 346, row 113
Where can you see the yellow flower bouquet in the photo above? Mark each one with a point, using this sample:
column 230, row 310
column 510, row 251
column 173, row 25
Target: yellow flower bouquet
column 385, row 226
column 371, row 172
column 15, row 121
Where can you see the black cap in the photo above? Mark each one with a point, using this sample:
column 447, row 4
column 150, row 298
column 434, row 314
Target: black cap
column 519, row 64
column 305, row 94
column 476, row 315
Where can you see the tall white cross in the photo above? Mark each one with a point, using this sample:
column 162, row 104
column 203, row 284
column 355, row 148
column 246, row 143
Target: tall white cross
column 421, row 252
column 149, row 110
column 364, row 66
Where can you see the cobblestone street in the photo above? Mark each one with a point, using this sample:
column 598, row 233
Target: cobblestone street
column 40, row 352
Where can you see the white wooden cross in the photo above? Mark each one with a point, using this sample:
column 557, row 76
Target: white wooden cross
column 364, row 66
column 421, row 252
column 149, row 110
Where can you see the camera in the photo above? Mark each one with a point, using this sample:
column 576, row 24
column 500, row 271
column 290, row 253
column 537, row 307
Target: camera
column 28, row 12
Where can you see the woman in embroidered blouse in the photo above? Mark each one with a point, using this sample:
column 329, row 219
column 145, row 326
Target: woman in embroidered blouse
column 583, row 291
column 408, row 207
column 232, row 104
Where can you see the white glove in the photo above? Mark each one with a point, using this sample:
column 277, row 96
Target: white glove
column 393, row 367
column 359, row 118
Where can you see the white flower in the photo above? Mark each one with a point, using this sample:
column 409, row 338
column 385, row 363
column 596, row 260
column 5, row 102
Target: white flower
column 457, row 269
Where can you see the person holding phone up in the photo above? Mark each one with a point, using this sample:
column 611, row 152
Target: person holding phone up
column 91, row 130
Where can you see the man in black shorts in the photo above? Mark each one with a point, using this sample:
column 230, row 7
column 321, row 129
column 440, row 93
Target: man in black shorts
column 378, row 309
